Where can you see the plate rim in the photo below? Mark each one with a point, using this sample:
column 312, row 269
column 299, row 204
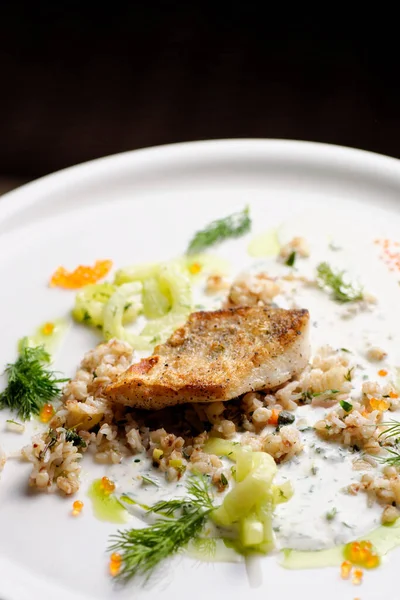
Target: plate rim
column 311, row 152
column 314, row 153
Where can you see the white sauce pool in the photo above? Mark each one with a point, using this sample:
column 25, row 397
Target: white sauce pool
column 320, row 514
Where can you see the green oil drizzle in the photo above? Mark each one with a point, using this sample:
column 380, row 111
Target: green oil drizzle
column 384, row 539
column 50, row 341
column 264, row 244
column 106, row 507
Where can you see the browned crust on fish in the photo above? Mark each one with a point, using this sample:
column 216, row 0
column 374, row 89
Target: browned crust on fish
column 210, row 356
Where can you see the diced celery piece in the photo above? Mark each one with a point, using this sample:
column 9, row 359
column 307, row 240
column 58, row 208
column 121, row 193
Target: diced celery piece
column 264, row 514
column 136, row 273
column 181, row 297
column 221, row 447
column 126, row 294
column 251, row 531
column 249, row 492
column 90, row 303
column 155, row 303
column 282, row 493
column 244, row 464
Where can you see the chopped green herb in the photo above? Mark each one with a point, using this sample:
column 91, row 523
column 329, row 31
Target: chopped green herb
column 331, row 514
column 143, row 549
column 291, row 259
column 30, row 384
column 233, row 226
column 341, row 291
column 334, row 247
column 224, row 480
column 316, row 394
column 14, row 422
column 285, row 418
column 306, row 397
column 51, row 440
column 147, row 480
column 137, row 460
column 314, row 470
column 86, row 318
column 345, row 350
column 75, row 438
column 346, row 405
column 349, row 374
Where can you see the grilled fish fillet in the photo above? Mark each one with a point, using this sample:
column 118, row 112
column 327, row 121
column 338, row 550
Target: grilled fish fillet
column 218, row 355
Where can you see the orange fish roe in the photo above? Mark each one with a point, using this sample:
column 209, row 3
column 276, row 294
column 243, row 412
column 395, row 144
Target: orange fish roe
column 195, row 268
column 357, row 577
column 393, row 395
column 48, row 328
column 81, row 276
column 390, row 253
column 345, row 569
column 382, row 373
column 362, row 554
column 115, row 564
column 77, row 508
column 107, row 485
column 379, row 404
column 46, row 413
column 116, row 557
column 273, row 420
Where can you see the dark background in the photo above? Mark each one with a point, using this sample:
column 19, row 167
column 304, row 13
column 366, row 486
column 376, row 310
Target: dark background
column 79, row 81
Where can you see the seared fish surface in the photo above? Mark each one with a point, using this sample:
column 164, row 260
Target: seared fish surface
column 218, row 355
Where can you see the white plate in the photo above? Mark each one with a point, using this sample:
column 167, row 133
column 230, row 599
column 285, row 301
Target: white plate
column 144, row 206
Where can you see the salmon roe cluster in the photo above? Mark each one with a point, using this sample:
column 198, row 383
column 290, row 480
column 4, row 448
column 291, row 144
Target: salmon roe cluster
column 77, row 508
column 46, row 413
column 107, row 485
column 390, row 253
column 377, row 404
column 81, row 276
column 115, row 564
column 362, row 554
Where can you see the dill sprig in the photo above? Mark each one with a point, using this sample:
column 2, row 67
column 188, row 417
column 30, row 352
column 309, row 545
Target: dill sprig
column 30, row 384
column 392, row 431
column 341, row 291
column 392, row 458
column 182, row 521
column 232, row 226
